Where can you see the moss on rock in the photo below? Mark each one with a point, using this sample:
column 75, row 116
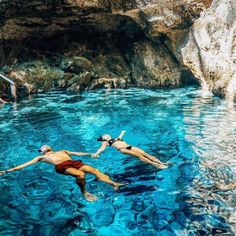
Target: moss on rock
column 75, row 64
column 36, row 75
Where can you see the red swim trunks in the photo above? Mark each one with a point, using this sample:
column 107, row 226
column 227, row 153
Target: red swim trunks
column 61, row 168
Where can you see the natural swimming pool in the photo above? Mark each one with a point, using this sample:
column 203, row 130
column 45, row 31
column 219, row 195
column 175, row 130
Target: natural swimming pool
column 178, row 126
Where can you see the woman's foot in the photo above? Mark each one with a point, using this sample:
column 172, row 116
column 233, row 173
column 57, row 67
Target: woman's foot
column 167, row 163
column 90, row 197
column 161, row 166
column 117, row 185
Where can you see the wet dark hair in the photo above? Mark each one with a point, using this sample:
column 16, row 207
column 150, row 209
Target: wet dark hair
column 100, row 139
column 104, row 137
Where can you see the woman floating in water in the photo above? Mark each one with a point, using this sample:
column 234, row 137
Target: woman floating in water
column 65, row 165
column 125, row 148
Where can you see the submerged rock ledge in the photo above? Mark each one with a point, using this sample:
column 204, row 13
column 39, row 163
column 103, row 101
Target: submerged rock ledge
column 79, row 45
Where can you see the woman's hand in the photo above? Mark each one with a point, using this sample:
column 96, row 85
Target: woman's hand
column 3, row 172
column 95, row 155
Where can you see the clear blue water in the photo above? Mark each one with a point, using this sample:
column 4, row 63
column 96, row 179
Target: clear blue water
column 196, row 134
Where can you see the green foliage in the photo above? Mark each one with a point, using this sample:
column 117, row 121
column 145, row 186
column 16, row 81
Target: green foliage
column 43, row 76
column 75, row 64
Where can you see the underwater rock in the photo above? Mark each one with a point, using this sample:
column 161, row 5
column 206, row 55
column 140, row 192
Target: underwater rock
column 103, row 215
column 80, row 223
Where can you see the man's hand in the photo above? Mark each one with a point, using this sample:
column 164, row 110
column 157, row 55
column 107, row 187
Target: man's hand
column 3, row 172
column 123, row 131
column 95, row 155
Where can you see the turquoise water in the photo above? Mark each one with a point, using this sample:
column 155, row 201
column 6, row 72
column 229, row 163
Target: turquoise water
column 196, row 134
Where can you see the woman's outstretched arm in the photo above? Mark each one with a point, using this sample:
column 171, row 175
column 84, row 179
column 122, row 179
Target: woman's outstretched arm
column 101, row 149
column 121, row 135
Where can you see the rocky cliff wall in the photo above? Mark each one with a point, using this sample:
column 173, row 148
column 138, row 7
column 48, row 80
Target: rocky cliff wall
column 79, row 45
column 210, row 48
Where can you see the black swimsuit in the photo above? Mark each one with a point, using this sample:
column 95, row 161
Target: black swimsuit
column 128, row 148
column 112, row 141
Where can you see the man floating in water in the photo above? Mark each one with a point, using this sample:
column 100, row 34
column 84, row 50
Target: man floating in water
column 125, row 148
column 65, row 165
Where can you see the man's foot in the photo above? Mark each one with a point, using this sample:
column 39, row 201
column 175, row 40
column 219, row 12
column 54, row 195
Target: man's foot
column 90, row 197
column 117, row 185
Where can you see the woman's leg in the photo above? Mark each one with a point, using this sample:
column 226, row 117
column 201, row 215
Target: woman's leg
column 150, row 157
column 143, row 158
column 80, row 180
column 100, row 176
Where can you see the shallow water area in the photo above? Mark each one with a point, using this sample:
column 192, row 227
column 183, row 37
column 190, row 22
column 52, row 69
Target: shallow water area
column 196, row 135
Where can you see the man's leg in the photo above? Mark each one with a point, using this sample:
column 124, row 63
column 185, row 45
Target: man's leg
column 100, row 176
column 80, row 180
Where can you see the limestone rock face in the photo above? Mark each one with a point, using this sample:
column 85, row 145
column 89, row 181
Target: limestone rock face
column 210, row 48
column 95, row 44
column 152, row 66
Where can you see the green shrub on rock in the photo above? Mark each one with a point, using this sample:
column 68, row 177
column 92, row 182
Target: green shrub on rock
column 41, row 75
column 75, row 64
column 45, row 78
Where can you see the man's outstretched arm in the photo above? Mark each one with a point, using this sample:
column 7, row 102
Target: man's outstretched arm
column 33, row 161
column 78, row 153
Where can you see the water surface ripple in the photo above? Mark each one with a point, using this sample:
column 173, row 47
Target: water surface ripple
column 196, row 134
